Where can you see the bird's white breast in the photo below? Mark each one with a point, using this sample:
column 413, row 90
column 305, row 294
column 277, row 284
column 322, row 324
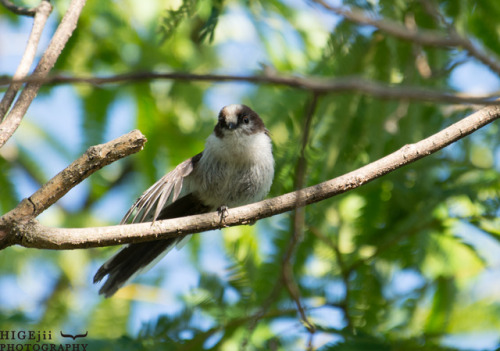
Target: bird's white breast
column 234, row 170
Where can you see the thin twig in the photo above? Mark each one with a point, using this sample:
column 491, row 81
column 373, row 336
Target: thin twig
column 19, row 10
column 32, row 234
column 466, row 43
column 437, row 16
column 298, row 223
column 420, row 36
column 42, row 13
column 56, row 45
column 312, row 84
column 488, row 58
column 395, row 29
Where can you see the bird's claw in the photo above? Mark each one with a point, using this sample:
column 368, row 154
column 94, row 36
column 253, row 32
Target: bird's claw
column 223, row 212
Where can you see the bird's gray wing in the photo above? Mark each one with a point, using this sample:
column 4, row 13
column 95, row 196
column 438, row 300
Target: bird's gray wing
column 156, row 197
column 160, row 201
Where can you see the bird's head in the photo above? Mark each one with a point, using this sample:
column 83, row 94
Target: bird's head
column 238, row 120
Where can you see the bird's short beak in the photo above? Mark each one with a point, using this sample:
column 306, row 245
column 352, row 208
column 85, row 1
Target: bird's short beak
column 231, row 126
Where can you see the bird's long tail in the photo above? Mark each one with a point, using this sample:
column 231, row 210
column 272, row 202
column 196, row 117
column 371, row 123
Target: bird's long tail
column 134, row 258
column 128, row 261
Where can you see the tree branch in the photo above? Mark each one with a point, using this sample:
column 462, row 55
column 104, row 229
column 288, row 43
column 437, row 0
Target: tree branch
column 19, row 10
column 41, row 15
column 30, row 233
column 395, row 29
column 298, row 224
column 49, row 58
column 312, row 84
column 91, row 161
column 420, row 36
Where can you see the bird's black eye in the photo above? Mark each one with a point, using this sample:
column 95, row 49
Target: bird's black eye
column 246, row 120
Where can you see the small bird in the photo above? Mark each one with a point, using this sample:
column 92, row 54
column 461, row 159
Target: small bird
column 235, row 168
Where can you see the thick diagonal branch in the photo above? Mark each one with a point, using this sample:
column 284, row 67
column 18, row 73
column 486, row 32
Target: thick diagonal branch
column 33, row 234
column 91, row 161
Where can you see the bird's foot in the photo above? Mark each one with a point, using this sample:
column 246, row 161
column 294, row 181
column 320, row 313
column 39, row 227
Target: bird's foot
column 223, row 212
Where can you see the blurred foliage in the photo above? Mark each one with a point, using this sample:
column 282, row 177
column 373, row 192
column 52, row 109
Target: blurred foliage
column 407, row 262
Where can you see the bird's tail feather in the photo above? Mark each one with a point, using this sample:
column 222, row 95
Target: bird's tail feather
column 135, row 258
column 128, row 261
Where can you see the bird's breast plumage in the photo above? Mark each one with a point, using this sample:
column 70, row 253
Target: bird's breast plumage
column 233, row 172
